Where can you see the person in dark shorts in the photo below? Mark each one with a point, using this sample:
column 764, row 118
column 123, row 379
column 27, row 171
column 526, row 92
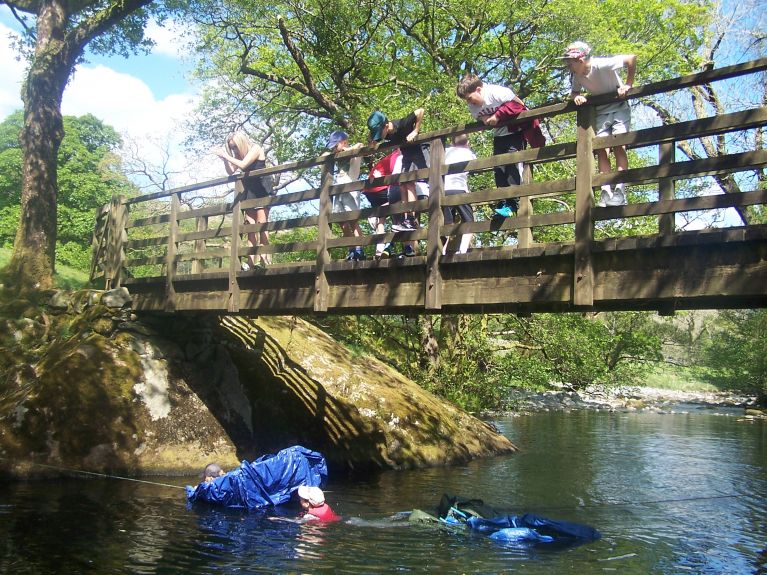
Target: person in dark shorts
column 379, row 196
column 414, row 157
column 241, row 153
column 484, row 101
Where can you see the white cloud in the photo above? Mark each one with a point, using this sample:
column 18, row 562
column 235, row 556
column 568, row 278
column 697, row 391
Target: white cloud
column 12, row 73
column 168, row 39
column 123, row 101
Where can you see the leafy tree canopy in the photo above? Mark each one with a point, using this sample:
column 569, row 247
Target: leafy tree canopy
column 89, row 173
column 292, row 71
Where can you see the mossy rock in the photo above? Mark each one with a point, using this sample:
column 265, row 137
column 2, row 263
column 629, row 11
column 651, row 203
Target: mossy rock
column 200, row 389
column 306, row 388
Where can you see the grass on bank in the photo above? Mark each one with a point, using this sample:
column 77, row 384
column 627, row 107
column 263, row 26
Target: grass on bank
column 677, row 378
column 66, row 277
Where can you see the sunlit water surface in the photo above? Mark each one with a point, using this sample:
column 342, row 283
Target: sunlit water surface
column 670, row 494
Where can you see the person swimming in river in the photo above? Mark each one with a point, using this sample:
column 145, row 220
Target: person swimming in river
column 314, row 505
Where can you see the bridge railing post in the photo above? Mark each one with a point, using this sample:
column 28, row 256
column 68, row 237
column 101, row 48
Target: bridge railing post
column 321, row 287
column 116, row 236
column 433, row 287
column 170, row 254
column 233, row 297
column 666, row 187
column 199, row 245
column 583, row 276
column 525, row 235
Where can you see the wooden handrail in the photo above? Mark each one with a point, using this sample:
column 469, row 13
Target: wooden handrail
column 198, row 235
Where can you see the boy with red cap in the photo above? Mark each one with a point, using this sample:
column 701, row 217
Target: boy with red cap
column 600, row 76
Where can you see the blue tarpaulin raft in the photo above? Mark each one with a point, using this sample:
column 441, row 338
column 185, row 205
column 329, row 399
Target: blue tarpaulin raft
column 269, row 480
column 523, row 529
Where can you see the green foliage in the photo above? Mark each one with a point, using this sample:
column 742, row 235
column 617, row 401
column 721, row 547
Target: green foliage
column 738, row 351
column 304, row 72
column 88, row 175
column 482, row 357
column 578, row 350
column 66, row 277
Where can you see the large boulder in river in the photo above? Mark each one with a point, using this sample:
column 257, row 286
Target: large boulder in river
column 306, row 388
column 89, row 387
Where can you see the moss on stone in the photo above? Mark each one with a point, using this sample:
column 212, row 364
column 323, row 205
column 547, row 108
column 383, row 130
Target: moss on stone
column 81, row 393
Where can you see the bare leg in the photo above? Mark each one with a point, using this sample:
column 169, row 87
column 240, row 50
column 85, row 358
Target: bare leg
column 262, row 217
column 250, row 218
column 378, row 225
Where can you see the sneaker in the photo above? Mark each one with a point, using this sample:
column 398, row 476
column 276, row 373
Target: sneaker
column 359, row 255
column 386, row 252
column 406, row 226
column 408, row 251
column 504, row 211
column 351, row 256
column 618, row 199
column 605, row 198
column 245, row 267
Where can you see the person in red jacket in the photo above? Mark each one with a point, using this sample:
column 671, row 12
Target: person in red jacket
column 314, row 505
column 379, row 196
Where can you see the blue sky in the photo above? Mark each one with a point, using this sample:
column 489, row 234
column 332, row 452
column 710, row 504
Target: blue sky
column 147, row 98
column 164, row 71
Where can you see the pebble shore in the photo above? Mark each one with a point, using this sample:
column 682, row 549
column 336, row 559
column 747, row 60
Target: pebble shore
column 628, row 399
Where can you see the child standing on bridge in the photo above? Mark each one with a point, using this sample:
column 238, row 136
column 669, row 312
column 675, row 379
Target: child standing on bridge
column 485, row 101
column 414, row 157
column 240, row 153
column 600, row 76
column 457, row 183
column 346, row 201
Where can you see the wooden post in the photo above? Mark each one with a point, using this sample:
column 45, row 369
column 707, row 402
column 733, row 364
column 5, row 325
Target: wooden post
column 525, row 235
column 200, row 245
column 321, row 287
column 583, row 272
column 170, row 254
column 666, row 188
column 116, row 235
column 433, row 287
column 98, row 241
column 122, row 238
column 233, row 304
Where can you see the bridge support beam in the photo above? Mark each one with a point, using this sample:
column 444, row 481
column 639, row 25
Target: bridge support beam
column 170, row 255
column 433, row 287
column 583, row 276
column 321, row 288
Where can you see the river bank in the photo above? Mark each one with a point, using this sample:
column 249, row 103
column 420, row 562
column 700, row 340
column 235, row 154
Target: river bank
column 634, row 398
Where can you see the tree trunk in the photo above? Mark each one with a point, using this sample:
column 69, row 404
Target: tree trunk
column 429, row 358
column 34, row 252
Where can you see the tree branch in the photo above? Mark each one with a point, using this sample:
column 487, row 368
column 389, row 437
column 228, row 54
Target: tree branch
column 311, row 88
column 98, row 23
column 30, row 7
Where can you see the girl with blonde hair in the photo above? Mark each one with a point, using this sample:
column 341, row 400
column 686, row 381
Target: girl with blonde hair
column 241, row 153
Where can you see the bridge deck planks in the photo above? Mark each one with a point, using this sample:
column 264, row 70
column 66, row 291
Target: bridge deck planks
column 719, row 268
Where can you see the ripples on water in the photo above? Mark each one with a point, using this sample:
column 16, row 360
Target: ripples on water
column 621, row 473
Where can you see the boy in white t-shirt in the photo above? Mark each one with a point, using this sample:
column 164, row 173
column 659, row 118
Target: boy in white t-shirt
column 457, row 183
column 600, row 76
column 484, row 101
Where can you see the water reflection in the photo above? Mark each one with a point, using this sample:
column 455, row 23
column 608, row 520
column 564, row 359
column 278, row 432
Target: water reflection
column 621, row 473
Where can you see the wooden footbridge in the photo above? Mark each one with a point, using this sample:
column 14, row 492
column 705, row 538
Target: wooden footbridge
column 560, row 252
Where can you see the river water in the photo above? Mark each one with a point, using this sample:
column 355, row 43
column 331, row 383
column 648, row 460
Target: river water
column 670, row 493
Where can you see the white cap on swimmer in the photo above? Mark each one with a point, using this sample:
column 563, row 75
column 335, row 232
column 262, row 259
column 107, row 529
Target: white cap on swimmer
column 313, row 495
